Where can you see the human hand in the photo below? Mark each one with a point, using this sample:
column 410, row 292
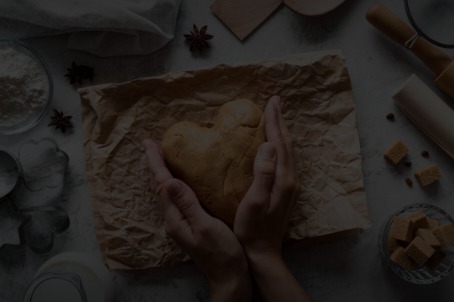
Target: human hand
column 207, row 240
column 262, row 216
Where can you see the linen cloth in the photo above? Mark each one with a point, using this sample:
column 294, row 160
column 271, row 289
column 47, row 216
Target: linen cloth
column 100, row 27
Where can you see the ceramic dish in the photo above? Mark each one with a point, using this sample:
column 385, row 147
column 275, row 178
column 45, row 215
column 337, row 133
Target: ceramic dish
column 33, row 108
column 421, row 275
column 313, row 7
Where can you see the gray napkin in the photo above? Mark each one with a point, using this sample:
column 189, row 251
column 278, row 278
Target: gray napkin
column 101, row 27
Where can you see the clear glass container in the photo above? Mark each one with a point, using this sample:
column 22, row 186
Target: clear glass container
column 422, row 275
column 54, row 287
column 30, row 119
column 71, row 277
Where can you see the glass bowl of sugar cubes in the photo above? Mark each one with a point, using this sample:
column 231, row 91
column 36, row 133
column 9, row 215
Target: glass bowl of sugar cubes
column 417, row 243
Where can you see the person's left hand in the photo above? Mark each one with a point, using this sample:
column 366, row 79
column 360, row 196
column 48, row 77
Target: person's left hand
column 207, row 240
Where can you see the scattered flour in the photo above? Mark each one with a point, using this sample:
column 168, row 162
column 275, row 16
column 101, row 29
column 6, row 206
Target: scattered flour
column 23, row 87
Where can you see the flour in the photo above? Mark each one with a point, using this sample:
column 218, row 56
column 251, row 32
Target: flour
column 23, row 87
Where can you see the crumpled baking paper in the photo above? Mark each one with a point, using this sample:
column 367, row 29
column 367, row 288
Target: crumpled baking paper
column 319, row 111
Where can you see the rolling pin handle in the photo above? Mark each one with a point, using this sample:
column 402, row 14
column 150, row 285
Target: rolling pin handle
column 411, row 42
column 389, row 24
column 398, row 31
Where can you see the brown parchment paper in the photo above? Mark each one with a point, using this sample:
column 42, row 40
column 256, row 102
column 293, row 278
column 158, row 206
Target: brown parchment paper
column 320, row 113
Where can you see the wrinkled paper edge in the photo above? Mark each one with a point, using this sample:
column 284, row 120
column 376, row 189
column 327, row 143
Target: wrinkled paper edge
column 94, row 93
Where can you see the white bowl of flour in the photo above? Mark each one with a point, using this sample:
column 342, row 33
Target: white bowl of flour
column 25, row 87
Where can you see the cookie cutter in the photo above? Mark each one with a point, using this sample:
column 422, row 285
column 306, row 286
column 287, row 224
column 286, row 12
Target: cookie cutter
column 39, row 165
column 43, row 164
column 9, row 174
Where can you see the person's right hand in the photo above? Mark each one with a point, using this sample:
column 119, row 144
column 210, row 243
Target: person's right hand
column 262, row 216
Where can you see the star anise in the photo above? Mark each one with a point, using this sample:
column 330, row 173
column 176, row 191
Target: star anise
column 198, row 38
column 77, row 73
column 60, row 121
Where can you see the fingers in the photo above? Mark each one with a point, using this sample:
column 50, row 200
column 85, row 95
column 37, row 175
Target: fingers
column 275, row 127
column 277, row 132
column 181, row 207
column 177, row 226
column 156, row 163
column 258, row 196
column 272, row 123
column 186, row 201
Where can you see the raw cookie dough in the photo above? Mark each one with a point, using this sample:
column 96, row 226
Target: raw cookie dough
column 217, row 162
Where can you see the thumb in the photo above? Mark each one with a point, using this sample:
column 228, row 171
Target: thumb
column 264, row 173
column 185, row 200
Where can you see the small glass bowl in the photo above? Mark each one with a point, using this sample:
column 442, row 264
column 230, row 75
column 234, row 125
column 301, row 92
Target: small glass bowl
column 422, row 275
column 31, row 119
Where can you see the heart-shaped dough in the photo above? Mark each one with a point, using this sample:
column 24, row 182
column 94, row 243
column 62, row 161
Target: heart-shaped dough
column 217, row 162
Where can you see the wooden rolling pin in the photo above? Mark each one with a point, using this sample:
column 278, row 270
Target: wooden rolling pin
column 427, row 111
column 435, row 59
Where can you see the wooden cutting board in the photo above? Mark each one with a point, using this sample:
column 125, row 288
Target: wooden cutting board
column 242, row 17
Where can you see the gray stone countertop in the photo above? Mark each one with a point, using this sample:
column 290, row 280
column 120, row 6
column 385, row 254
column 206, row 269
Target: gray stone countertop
column 343, row 270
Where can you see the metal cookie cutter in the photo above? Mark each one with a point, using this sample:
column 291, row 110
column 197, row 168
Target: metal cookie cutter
column 40, row 167
column 9, row 174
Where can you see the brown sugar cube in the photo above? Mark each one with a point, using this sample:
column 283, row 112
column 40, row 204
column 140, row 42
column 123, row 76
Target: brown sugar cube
column 428, row 175
column 396, row 152
column 393, row 243
column 402, row 228
column 419, row 219
column 432, row 223
column 436, row 259
column 428, row 237
column 399, row 257
column 419, row 250
column 445, row 234
column 448, row 230
column 440, row 236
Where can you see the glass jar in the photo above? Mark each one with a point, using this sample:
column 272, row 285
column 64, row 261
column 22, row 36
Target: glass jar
column 71, row 277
